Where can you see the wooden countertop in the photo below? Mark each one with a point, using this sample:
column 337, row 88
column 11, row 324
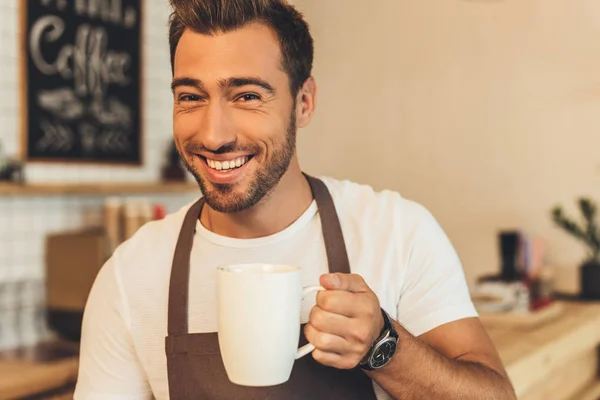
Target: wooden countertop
column 530, row 355
column 45, row 368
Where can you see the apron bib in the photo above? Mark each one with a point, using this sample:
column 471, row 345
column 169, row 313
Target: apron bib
column 194, row 365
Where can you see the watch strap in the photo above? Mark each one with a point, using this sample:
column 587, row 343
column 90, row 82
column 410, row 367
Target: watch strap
column 387, row 331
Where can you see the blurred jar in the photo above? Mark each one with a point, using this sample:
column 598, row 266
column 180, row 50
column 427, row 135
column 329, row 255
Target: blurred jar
column 31, row 312
column 112, row 223
column 131, row 214
column 9, row 331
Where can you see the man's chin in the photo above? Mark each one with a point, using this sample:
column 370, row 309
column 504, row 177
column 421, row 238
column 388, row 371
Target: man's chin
column 226, row 198
column 226, row 206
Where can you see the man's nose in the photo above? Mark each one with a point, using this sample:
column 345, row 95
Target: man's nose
column 216, row 129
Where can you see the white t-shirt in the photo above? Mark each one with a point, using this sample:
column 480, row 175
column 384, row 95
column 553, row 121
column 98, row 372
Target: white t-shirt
column 394, row 244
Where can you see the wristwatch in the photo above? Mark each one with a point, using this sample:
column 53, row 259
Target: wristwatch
column 383, row 348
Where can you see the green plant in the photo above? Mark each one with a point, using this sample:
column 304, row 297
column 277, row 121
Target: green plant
column 588, row 231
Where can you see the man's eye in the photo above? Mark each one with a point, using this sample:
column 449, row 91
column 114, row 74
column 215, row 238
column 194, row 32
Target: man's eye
column 188, row 98
column 249, row 97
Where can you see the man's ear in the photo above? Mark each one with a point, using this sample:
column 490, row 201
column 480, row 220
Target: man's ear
column 306, row 102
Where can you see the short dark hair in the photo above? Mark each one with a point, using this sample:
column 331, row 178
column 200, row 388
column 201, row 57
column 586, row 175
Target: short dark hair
column 212, row 16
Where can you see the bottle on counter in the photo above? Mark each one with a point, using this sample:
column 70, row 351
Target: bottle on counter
column 31, row 316
column 131, row 218
column 9, row 315
column 159, row 211
column 113, row 223
column 146, row 214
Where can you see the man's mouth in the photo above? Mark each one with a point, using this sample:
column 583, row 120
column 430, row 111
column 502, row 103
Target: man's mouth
column 227, row 165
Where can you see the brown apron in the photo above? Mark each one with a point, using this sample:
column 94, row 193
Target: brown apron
column 194, row 364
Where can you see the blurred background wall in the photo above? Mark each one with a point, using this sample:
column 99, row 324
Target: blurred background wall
column 486, row 112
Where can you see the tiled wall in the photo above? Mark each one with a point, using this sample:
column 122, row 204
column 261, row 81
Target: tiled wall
column 25, row 221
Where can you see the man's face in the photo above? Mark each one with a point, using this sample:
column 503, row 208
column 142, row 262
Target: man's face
column 233, row 116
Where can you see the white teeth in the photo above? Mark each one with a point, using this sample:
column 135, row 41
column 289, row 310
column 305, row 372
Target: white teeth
column 227, row 165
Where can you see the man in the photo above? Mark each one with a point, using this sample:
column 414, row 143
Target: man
column 396, row 320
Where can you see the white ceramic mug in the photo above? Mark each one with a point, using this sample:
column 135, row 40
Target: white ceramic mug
column 259, row 309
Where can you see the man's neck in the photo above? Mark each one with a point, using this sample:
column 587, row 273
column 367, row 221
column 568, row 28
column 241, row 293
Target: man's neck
column 279, row 209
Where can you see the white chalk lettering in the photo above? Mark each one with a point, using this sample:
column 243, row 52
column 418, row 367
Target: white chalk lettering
column 107, row 10
column 89, row 61
column 49, row 29
column 60, row 4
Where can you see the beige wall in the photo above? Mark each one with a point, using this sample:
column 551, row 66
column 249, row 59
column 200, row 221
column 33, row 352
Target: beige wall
column 487, row 112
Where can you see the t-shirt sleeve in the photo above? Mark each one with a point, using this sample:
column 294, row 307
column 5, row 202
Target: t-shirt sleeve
column 434, row 291
column 108, row 367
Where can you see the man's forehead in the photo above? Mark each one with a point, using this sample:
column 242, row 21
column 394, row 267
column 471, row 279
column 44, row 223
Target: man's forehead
column 252, row 49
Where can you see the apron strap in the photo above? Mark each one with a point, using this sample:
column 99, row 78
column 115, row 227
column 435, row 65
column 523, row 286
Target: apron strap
column 335, row 248
column 180, row 273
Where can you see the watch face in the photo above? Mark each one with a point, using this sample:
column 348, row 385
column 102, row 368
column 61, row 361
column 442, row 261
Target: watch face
column 383, row 353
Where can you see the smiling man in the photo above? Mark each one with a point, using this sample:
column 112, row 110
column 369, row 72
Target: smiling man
column 396, row 321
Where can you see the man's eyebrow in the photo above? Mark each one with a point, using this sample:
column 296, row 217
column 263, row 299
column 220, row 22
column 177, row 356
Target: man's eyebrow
column 237, row 82
column 196, row 83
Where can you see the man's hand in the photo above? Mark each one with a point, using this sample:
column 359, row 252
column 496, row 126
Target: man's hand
column 345, row 321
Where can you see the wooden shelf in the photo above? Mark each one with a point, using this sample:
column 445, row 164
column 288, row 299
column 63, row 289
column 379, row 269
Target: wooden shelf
column 592, row 392
column 98, row 189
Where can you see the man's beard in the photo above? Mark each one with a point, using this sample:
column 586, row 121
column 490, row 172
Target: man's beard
column 224, row 199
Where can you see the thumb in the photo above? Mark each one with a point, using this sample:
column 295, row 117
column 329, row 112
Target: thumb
column 348, row 282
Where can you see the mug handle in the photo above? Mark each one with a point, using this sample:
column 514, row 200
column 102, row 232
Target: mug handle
column 307, row 348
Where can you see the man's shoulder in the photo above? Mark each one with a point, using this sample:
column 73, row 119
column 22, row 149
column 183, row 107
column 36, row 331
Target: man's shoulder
column 360, row 199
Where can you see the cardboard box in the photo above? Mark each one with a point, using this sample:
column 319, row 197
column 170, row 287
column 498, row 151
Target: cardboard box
column 73, row 260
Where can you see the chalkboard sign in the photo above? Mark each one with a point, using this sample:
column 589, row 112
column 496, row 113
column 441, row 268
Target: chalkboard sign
column 82, row 72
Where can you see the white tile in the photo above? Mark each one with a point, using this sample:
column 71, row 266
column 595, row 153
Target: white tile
column 36, row 245
column 87, row 174
column 40, row 173
column 157, row 9
column 8, row 133
column 36, row 270
column 10, row 47
column 4, row 256
column 55, row 222
column 9, row 23
column 24, row 223
column 9, row 73
column 11, row 146
column 5, row 271
column 9, row 6
column 20, row 271
column 21, row 247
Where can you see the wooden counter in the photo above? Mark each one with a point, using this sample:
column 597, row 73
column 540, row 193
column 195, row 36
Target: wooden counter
column 44, row 369
column 557, row 360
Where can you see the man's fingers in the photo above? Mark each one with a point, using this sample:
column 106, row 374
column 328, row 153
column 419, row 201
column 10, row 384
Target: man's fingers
column 339, row 302
column 323, row 341
column 327, row 321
